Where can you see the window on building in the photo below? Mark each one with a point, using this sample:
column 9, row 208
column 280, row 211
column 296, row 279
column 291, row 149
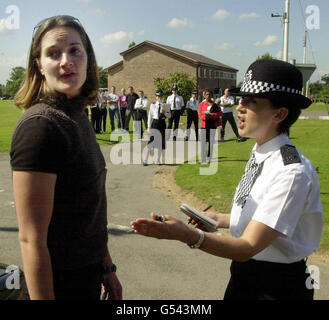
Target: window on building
column 199, row 72
column 210, row 74
column 205, row 73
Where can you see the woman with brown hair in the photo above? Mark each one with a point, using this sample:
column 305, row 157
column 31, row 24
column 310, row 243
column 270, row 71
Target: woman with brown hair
column 59, row 171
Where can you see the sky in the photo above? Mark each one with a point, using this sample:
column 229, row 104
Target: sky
column 234, row 32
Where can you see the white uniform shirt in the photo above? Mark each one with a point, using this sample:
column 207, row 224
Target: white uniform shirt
column 224, row 100
column 141, row 104
column 179, row 102
column 285, row 198
column 154, row 112
column 192, row 104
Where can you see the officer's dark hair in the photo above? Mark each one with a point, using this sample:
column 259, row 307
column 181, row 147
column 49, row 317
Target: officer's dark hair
column 294, row 111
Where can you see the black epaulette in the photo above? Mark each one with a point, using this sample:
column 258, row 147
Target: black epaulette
column 289, row 154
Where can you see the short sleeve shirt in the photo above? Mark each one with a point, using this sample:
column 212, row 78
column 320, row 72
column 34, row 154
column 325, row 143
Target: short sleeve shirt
column 228, row 99
column 51, row 141
column 285, row 197
column 176, row 102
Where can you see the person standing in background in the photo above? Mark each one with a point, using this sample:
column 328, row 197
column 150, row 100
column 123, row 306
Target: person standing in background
column 95, row 116
column 113, row 101
column 156, row 126
column 176, row 104
column 227, row 102
column 192, row 107
column 123, row 106
column 103, row 110
column 141, row 105
column 131, row 100
column 210, row 115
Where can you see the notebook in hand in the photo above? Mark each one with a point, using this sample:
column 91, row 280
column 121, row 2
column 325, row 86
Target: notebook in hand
column 208, row 223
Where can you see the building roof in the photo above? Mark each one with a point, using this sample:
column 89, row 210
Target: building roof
column 191, row 57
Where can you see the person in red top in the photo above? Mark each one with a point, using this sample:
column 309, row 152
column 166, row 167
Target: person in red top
column 210, row 115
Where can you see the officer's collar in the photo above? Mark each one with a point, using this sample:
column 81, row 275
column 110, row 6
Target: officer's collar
column 263, row 151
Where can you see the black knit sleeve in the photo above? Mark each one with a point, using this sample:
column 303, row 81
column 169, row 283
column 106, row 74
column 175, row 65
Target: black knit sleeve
column 37, row 145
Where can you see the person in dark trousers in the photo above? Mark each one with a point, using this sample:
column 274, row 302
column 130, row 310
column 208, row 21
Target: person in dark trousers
column 210, row 115
column 96, row 117
column 276, row 218
column 156, row 126
column 59, row 171
column 176, row 106
column 131, row 100
column 103, row 111
column 227, row 102
column 192, row 107
column 141, row 106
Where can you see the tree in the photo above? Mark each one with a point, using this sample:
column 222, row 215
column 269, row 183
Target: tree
column 265, row 56
column 185, row 83
column 315, row 88
column 131, row 44
column 325, row 78
column 2, row 90
column 102, row 77
column 16, row 79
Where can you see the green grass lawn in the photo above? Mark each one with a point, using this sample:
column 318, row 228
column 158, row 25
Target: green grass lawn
column 310, row 136
column 318, row 107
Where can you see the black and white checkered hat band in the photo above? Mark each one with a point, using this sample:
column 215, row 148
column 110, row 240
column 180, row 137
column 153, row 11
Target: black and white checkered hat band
column 263, row 87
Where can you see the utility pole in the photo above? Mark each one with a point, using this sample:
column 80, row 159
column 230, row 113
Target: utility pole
column 304, row 45
column 306, row 89
column 286, row 31
column 285, row 20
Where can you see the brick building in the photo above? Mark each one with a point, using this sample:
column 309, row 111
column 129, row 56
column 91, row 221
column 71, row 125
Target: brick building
column 147, row 60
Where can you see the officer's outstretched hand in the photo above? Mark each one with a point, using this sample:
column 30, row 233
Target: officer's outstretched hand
column 162, row 227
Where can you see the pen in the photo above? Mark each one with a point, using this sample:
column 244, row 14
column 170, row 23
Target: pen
column 207, row 208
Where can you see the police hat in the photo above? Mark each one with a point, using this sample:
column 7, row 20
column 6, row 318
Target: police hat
column 269, row 78
column 159, row 93
column 174, row 87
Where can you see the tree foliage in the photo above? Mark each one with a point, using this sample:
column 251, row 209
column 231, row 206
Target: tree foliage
column 102, row 76
column 16, row 79
column 185, row 84
column 131, row 44
column 265, row 56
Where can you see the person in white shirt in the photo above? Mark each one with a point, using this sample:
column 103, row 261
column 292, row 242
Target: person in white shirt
column 277, row 218
column 192, row 107
column 176, row 104
column 113, row 102
column 227, row 102
column 141, row 106
column 156, row 126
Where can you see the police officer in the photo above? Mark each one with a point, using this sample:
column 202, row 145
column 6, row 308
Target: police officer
column 176, row 104
column 156, row 126
column 277, row 217
column 192, row 107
